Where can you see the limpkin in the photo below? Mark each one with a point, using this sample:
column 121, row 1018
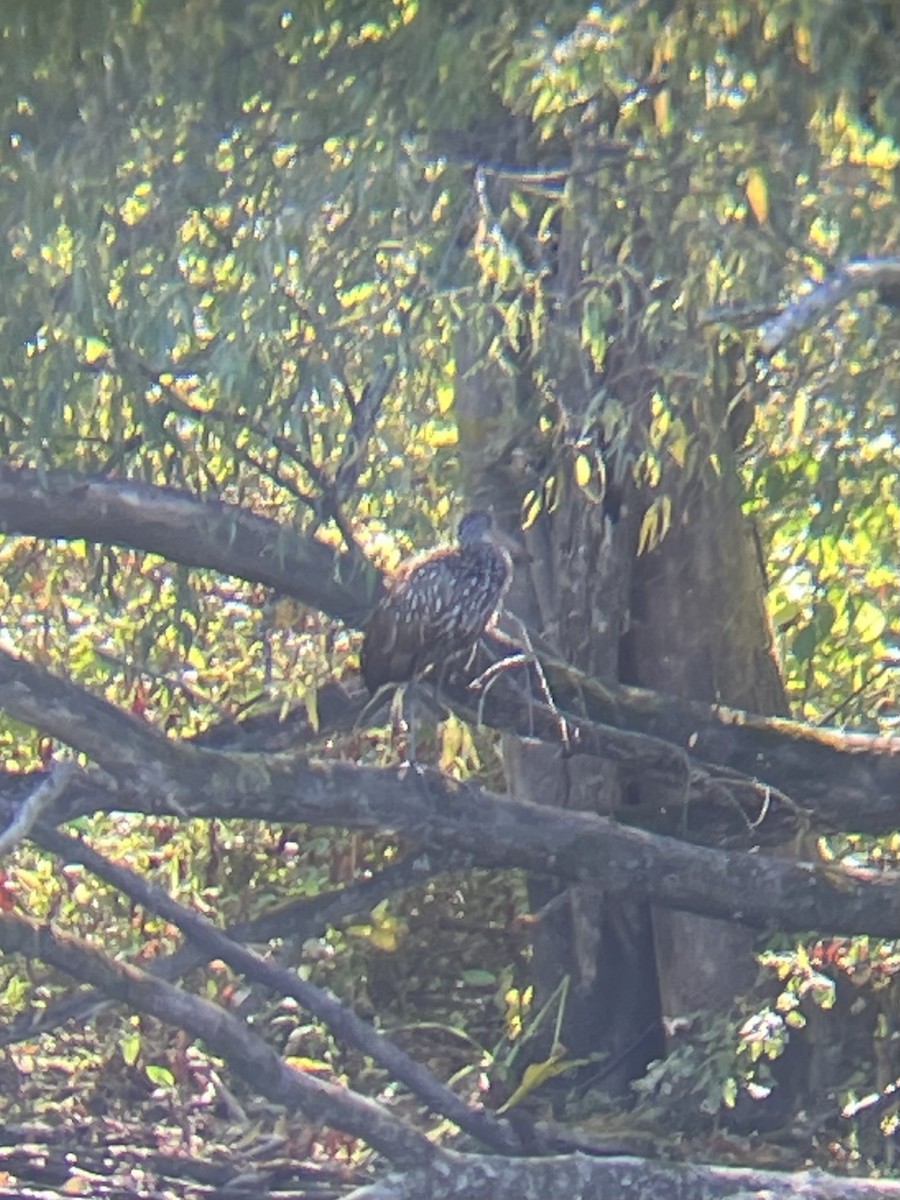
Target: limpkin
column 437, row 606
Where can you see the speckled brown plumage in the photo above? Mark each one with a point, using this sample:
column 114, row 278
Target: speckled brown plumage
column 437, row 606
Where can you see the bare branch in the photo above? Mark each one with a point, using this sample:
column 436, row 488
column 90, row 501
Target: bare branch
column 432, row 1172
column 190, row 530
column 761, row 764
column 722, row 767
column 848, row 781
column 224, row 1034
column 157, row 774
column 458, row 1176
column 805, row 310
column 342, row 1021
column 493, row 831
column 298, row 919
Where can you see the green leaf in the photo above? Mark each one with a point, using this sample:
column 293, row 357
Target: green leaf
column 160, row 1076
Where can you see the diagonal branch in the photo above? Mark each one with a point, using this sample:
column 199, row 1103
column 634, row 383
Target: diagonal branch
column 805, row 310
column 224, row 1034
column 299, row 919
column 850, row 781
column 117, row 740
column 342, row 1021
column 190, row 530
column 157, row 774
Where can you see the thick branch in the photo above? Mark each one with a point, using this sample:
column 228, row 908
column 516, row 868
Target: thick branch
column 189, row 530
column 300, row 919
column 482, row 1178
column 116, row 740
column 493, row 831
column 155, row 774
column 434, row 1173
column 224, row 1034
column 805, row 310
column 851, row 782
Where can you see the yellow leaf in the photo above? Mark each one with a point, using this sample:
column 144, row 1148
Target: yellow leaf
column 95, row 350
column 539, row 1073
column 451, row 742
column 438, row 434
column 360, row 931
column 311, row 702
column 77, row 1185
column 356, row 295
column 655, row 524
column 283, row 156
column 445, row 395
column 883, row 155
column 384, row 937
column 662, row 111
column 531, row 509
column 582, row 470
column 803, row 45
column 799, row 414
column 130, row 1047
column 313, row 1065
column 757, row 192
column 869, row 622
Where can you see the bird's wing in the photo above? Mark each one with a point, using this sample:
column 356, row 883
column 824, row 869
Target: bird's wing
column 425, row 598
column 410, row 626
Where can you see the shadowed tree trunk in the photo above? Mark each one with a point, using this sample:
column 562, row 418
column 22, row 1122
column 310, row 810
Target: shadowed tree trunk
column 573, row 592
column 687, row 618
column 699, row 630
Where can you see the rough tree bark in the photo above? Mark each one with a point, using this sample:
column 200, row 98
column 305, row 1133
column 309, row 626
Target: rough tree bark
column 699, row 630
column 574, row 593
column 693, row 608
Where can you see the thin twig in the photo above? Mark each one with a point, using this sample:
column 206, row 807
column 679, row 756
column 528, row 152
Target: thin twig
column 487, row 678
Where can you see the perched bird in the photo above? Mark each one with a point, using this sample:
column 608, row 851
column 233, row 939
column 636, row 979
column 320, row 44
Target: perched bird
column 437, row 606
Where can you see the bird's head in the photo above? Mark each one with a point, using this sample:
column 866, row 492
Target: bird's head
column 476, row 526
column 479, row 526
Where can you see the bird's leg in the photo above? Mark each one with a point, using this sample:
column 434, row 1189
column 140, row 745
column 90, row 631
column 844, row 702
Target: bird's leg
column 373, row 704
column 409, row 706
column 440, row 675
column 443, row 669
column 399, row 719
column 416, row 700
column 403, row 722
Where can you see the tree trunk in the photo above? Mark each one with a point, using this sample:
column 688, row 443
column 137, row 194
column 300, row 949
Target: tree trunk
column 699, row 629
column 574, row 593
